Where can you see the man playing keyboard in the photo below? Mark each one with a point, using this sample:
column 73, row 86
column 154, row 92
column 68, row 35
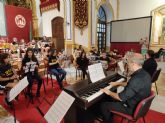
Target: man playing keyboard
column 136, row 89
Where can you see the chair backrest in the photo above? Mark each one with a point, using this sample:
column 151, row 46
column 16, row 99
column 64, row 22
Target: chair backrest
column 156, row 75
column 143, row 107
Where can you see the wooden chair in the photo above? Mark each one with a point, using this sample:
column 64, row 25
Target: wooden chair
column 78, row 72
column 48, row 72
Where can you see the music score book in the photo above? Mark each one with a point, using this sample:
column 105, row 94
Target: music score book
column 121, row 67
column 60, row 107
column 23, row 83
column 96, row 72
column 30, row 66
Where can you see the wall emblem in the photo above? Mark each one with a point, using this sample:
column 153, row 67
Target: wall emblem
column 20, row 21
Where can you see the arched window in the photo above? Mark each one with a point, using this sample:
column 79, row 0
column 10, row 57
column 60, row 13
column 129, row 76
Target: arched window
column 101, row 29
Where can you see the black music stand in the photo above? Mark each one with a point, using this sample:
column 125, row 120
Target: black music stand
column 12, row 103
column 14, row 112
column 63, row 102
column 15, row 91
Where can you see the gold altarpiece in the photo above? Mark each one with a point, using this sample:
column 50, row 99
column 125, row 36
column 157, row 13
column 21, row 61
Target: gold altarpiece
column 158, row 26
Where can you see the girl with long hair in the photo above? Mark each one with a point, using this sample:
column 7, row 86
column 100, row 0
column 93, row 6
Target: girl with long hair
column 83, row 62
column 30, row 66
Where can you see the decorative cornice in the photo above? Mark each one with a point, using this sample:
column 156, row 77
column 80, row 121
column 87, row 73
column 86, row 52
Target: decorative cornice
column 47, row 5
column 50, row 7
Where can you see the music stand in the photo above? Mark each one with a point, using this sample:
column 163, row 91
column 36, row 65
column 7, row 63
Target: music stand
column 13, row 93
column 59, row 108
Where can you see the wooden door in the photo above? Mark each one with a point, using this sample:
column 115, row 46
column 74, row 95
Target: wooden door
column 58, row 32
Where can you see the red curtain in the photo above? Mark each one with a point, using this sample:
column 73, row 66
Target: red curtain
column 18, row 21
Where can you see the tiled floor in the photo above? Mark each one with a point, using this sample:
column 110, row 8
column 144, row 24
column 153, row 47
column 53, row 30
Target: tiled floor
column 158, row 103
column 161, row 84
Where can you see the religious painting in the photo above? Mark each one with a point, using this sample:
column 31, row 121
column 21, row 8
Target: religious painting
column 81, row 13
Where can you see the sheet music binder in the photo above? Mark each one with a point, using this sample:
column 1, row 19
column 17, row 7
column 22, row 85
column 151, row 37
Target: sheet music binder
column 23, row 83
column 30, row 66
column 96, row 72
column 60, row 107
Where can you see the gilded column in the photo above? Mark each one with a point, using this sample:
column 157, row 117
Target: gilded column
column 34, row 19
column 118, row 6
column 73, row 25
column 89, row 24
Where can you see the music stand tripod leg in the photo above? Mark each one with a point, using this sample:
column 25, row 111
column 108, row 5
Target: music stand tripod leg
column 14, row 111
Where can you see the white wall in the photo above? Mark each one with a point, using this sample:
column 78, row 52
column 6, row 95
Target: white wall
column 114, row 7
column 138, row 8
column 68, row 19
column 2, row 20
column 81, row 39
column 48, row 16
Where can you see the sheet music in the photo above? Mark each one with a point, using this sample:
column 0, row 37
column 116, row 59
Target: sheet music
column 17, row 88
column 96, row 72
column 120, row 89
column 121, row 66
column 59, row 108
column 30, row 66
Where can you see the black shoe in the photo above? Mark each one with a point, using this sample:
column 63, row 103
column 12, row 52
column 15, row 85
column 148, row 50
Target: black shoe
column 16, row 98
column 61, row 86
column 29, row 95
column 9, row 104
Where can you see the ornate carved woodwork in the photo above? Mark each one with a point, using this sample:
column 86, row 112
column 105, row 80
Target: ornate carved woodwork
column 81, row 13
column 49, row 4
column 20, row 3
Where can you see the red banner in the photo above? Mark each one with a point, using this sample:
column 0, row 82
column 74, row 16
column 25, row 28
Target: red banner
column 18, row 22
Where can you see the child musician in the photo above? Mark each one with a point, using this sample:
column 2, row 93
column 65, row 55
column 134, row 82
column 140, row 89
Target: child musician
column 7, row 73
column 30, row 66
column 83, row 63
column 55, row 68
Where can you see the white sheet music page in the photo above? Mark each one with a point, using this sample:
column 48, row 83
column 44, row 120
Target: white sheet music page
column 120, row 89
column 33, row 66
column 17, row 88
column 59, row 108
column 30, row 66
column 27, row 67
column 96, row 72
column 121, row 67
